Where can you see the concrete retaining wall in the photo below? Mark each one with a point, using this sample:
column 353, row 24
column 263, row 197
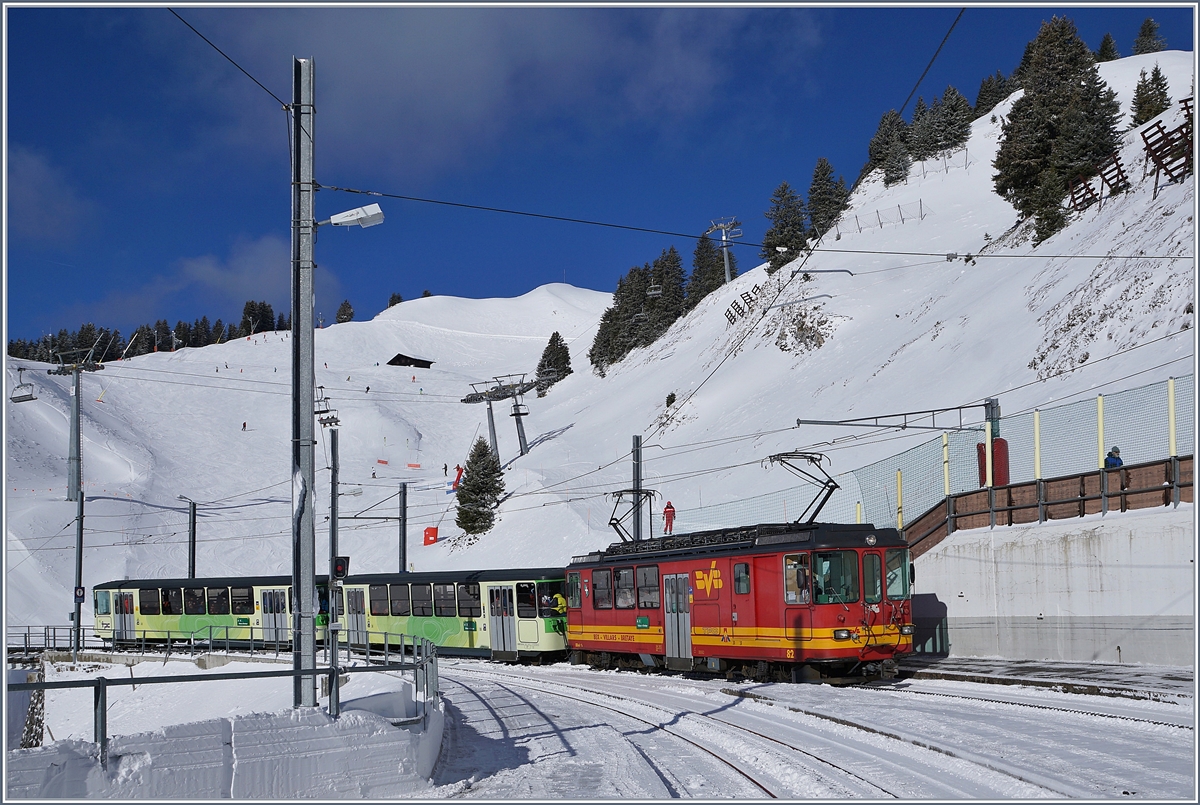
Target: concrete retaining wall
column 1118, row 588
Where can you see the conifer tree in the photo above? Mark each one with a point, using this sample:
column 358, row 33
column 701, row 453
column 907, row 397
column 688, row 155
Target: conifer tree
column 826, row 198
column 992, row 90
column 897, row 163
column 787, row 230
column 1061, row 127
column 345, row 312
column 667, row 273
column 1150, row 98
column 708, row 272
column 480, row 490
column 554, row 365
column 954, row 123
column 395, row 299
column 1148, row 40
column 1108, row 49
column 891, row 127
column 922, row 134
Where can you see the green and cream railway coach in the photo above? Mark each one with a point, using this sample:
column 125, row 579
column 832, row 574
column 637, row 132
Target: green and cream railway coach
column 499, row 614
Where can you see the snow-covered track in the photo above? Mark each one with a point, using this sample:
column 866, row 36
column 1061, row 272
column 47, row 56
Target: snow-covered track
column 1098, row 706
column 591, row 701
column 863, row 760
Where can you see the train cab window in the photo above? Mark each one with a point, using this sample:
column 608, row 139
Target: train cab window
column 602, row 589
column 193, row 601
column 422, row 600
column 148, row 601
column 625, row 596
column 546, row 590
column 172, row 601
column 379, row 600
column 526, row 600
column 241, row 600
column 647, row 587
column 897, row 574
column 400, row 603
column 218, row 600
column 574, row 591
column 741, row 578
column 796, row 579
column 468, row 601
column 443, row 601
column 872, row 579
column 835, row 578
column 103, row 602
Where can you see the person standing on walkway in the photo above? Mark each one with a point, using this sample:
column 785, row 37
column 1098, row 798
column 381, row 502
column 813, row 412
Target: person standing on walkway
column 668, row 518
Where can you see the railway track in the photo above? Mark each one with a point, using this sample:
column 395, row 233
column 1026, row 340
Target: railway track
column 860, row 757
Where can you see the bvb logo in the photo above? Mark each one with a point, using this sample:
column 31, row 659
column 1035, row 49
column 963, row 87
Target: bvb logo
column 711, row 580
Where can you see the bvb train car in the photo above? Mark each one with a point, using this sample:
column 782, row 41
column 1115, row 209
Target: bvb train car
column 500, row 614
column 777, row 601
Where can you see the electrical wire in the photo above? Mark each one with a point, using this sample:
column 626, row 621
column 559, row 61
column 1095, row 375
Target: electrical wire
column 692, row 236
column 230, row 60
column 931, row 61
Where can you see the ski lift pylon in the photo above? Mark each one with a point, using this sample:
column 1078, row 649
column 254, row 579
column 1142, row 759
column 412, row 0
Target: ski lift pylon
column 23, row 392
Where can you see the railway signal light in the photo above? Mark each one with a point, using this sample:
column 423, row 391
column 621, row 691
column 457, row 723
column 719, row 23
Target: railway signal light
column 341, row 567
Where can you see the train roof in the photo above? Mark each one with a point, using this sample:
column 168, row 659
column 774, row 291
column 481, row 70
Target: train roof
column 748, row 539
column 500, row 574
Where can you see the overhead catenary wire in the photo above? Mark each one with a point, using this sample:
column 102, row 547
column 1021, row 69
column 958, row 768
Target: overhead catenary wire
column 932, row 60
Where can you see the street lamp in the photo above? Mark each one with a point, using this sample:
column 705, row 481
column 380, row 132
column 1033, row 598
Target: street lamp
column 191, row 535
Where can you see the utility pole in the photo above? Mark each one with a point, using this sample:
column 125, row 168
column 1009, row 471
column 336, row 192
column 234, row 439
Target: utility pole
column 637, row 488
column 304, row 653
column 333, row 515
column 75, row 481
column 729, row 231
column 403, row 527
column 191, row 535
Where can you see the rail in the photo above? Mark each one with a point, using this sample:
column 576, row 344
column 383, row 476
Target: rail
column 423, row 665
column 1137, row 486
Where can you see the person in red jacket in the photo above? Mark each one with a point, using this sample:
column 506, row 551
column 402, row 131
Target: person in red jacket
column 668, row 518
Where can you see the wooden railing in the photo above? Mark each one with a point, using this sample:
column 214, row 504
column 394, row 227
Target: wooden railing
column 1137, row 486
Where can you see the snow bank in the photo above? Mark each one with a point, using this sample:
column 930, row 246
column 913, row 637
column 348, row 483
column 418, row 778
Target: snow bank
column 285, row 755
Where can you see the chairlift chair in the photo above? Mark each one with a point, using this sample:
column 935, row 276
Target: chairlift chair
column 639, row 317
column 654, row 290
column 23, row 392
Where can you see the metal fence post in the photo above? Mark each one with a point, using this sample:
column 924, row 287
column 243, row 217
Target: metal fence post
column 101, row 720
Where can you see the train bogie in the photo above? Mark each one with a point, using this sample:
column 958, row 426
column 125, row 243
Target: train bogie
column 766, row 602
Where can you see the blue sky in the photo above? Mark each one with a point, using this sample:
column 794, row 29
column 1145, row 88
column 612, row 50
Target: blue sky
column 148, row 178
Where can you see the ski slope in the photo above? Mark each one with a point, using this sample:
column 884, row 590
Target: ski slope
column 908, row 330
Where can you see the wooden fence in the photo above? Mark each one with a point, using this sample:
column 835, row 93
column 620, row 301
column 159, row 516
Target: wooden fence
column 1137, row 486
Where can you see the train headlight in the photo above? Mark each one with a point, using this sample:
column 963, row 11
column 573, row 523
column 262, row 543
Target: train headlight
column 870, row 539
column 906, row 629
column 841, row 634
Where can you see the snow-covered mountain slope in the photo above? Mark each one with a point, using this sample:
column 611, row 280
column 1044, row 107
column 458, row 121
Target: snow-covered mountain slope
column 909, row 330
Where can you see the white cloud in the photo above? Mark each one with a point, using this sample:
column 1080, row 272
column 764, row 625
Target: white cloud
column 43, row 204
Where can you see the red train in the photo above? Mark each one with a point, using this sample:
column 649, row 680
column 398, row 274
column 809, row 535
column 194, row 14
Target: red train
column 769, row 602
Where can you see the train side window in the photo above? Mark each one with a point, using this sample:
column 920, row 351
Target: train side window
column 796, row 579
column 872, row 579
column 218, row 600
column 546, row 592
column 172, row 601
column 468, row 601
column 148, row 601
column 741, row 578
column 378, row 595
column 526, row 600
column 443, row 601
column 103, row 602
column 574, row 595
column 290, row 599
column 400, row 603
column 648, row 591
column 193, row 601
column 422, row 601
column 836, row 579
column 241, row 600
column 625, row 596
column 897, row 574
column 602, row 589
